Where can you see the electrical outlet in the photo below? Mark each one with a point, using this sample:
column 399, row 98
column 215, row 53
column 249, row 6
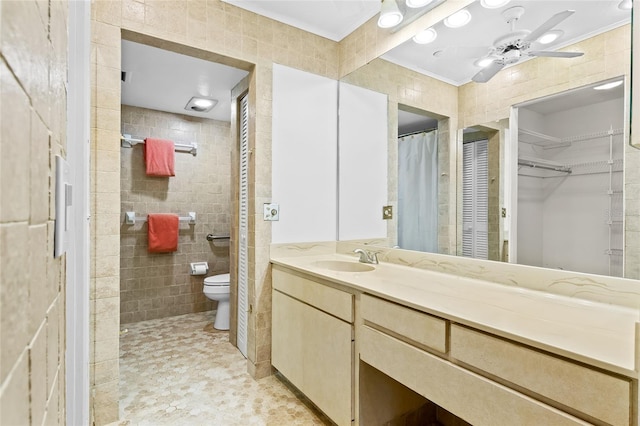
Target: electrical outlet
column 387, row 212
column 271, row 212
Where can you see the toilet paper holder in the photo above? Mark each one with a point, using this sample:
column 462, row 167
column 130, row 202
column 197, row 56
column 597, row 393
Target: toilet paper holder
column 199, row 268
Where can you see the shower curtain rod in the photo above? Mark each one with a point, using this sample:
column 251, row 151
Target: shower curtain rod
column 417, row 132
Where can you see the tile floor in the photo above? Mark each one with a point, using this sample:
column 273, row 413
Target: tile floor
column 180, row 371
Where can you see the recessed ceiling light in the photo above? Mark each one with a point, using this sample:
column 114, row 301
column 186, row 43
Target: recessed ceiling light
column 458, row 19
column 426, row 36
column 484, row 62
column 418, row 3
column 550, row 36
column 200, row 104
column 390, row 15
column 493, row 4
column 608, row 86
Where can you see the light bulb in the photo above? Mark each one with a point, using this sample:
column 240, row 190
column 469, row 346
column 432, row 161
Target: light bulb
column 493, row 4
column 390, row 15
column 426, row 36
column 458, row 19
column 550, row 37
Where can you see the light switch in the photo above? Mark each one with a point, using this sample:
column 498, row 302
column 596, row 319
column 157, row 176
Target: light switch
column 271, row 212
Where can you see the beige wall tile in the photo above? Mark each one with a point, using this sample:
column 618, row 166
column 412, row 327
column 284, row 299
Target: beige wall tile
column 37, row 305
column 14, row 397
column 201, row 184
column 14, row 176
column 42, row 192
column 38, row 375
column 55, row 344
column 14, row 286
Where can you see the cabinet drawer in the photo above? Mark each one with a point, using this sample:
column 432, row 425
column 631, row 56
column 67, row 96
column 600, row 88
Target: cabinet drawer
column 469, row 396
column 597, row 394
column 417, row 326
column 328, row 299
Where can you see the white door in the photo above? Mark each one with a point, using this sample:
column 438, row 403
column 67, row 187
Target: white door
column 475, row 199
column 243, row 256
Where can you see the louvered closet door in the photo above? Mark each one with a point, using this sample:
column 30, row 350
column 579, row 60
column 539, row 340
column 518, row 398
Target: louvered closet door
column 475, row 199
column 243, row 256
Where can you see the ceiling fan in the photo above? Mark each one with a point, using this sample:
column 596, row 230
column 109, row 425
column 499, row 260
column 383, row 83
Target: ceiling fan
column 510, row 48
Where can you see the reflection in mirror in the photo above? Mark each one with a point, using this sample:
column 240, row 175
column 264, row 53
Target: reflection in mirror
column 569, row 180
column 417, row 180
column 437, row 78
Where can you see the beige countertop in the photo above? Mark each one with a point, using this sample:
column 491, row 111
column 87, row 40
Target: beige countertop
column 598, row 334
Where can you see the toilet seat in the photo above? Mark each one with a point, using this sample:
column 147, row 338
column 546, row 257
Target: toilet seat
column 221, row 280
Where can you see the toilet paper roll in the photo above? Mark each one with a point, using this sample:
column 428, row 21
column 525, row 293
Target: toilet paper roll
column 199, row 268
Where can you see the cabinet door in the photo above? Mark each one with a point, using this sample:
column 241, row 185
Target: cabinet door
column 313, row 350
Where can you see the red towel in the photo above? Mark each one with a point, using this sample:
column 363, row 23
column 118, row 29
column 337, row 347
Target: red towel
column 163, row 232
column 159, row 156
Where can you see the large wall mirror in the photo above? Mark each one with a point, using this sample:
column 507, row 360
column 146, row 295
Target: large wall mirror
column 476, row 96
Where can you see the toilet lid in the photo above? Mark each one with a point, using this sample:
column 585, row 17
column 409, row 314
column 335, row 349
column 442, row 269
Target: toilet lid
column 217, row 280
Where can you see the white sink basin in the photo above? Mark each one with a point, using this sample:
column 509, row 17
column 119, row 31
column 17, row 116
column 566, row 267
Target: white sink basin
column 343, row 266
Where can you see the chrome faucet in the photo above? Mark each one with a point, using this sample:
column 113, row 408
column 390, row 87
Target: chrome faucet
column 367, row 256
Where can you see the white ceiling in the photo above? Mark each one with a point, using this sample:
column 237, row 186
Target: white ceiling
column 163, row 80
column 166, row 81
column 332, row 19
column 460, row 47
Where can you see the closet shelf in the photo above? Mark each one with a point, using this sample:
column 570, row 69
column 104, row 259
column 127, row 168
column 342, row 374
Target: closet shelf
column 547, row 141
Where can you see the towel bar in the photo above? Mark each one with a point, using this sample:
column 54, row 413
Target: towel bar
column 130, row 218
column 127, row 141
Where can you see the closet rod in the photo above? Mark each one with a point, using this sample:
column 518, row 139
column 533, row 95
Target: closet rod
column 127, row 141
column 535, row 165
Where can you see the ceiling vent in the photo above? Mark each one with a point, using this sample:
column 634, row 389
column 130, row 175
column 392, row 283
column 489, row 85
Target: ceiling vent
column 200, row 104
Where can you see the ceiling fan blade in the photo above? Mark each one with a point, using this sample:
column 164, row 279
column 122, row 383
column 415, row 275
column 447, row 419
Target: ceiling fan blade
column 551, row 22
column 488, row 72
column 555, row 54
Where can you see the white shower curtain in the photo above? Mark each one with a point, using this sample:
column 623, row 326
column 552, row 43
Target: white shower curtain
column 418, row 192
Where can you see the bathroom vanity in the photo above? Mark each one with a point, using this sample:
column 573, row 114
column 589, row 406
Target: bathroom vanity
column 367, row 344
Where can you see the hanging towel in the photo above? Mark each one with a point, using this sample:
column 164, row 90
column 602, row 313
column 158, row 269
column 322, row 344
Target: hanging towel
column 163, row 232
column 159, row 156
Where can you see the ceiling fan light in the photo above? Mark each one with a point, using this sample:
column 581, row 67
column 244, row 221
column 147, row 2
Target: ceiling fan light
column 608, row 86
column 493, row 4
column 426, row 36
column 625, row 5
column 484, row 62
column 458, row 19
column 390, row 15
column 550, row 36
column 417, row 3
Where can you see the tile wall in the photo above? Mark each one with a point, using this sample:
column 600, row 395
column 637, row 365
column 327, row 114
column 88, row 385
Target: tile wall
column 158, row 285
column 211, row 30
column 32, row 283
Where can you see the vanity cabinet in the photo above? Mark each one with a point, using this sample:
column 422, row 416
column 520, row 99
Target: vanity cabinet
column 484, row 379
column 312, row 341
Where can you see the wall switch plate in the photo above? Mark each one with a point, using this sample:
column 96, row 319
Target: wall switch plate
column 387, row 212
column 271, row 211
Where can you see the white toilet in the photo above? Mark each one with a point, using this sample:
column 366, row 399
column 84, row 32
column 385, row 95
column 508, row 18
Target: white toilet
column 217, row 288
